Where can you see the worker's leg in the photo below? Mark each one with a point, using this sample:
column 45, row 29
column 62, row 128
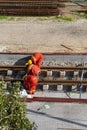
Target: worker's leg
column 20, row 74
column 32, row 89
column 33, row 83
column 22, row 86
column 26, row 83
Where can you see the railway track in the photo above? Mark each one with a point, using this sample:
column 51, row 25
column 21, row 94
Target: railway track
column 49, row 75
column 58, row 78
column 40, row 7
column 57, row 66
column 69, row 129
column 45, row 68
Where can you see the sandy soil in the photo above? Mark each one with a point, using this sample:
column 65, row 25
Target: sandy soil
column 43, row 35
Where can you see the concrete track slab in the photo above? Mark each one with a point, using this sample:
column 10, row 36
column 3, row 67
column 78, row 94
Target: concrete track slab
column 58, row 115
column 53, row 116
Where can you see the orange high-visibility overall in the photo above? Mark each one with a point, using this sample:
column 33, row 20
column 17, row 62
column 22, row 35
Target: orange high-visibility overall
column 30, row 83
column 37, row 59
column 33, row 70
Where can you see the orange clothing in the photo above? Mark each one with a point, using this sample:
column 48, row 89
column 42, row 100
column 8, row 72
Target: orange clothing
column 37, row 59
column 30, row 83
column 33, row 70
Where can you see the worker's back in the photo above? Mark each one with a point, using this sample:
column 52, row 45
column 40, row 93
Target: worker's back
column 33, row 70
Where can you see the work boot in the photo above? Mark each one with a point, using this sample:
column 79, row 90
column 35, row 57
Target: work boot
column 32, row 92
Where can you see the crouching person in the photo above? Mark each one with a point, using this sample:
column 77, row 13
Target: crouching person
column 31, row 79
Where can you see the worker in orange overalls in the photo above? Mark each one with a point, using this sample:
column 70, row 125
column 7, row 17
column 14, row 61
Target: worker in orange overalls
column 37, row 59
column 33, row 70
column 31, row 80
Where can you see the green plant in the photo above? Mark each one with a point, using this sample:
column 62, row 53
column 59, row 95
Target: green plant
column 82, row 15
column 9, row 18
column 63, row 18
column 3, row 17
column 13, row 110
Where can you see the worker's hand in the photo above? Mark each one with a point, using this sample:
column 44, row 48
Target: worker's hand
column 24, row 77
column 26, row 64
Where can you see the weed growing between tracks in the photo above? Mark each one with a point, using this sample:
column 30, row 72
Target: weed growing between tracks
column 64, row 18
column 58, row 18
column 82, row 15
column 12, row 110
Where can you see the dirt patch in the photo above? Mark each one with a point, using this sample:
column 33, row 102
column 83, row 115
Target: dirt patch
column 43, row 35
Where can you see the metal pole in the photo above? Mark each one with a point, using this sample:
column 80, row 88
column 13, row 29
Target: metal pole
column 81, row 81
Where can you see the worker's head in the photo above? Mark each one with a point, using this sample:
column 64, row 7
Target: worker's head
column 29, row 62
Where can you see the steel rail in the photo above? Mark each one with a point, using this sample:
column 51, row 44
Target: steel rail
column 36, row 1
column 12, row 67
column 43, row 0
column 44, row 68
column 69, row 129
column 53, row 99
column 64, row 68
column 3, row 5
column 64, row 82
column 45, row 53
column 46, row 2
column 50, row 82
